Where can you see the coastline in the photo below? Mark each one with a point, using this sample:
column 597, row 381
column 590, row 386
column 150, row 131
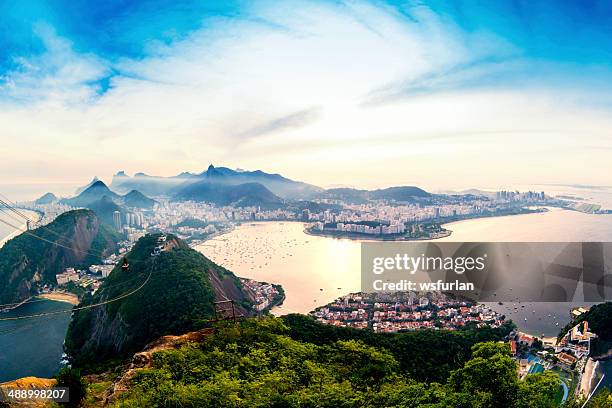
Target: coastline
column 11, row 235
column 20, row 229
column 586, row 385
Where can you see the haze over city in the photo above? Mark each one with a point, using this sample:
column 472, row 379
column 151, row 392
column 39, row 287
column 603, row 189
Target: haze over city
column 365, row 94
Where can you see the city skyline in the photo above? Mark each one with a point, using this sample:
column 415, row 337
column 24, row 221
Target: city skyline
column 362, row 94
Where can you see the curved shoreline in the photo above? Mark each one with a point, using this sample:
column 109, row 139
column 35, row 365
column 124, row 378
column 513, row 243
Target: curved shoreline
column 19, row 231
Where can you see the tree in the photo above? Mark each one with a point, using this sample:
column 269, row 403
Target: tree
column 601, row 400
column 491, row 370
column 77, row 387
column 538, row 391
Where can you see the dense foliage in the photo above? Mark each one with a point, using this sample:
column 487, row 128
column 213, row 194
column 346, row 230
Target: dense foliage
column 71, row 378
column 425, row 355
column 259, row 364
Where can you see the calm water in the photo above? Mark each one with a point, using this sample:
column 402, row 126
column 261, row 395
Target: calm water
column 312, row 269
column 32, row 347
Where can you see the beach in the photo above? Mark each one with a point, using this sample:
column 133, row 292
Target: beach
column 588, row 377
column 57, row 296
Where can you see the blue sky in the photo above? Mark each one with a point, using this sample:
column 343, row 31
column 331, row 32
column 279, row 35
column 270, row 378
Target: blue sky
column 274, row 85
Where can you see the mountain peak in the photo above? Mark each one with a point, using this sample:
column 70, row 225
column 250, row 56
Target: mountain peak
column 98, row 183
column 46, row 199
column 121, row 174
column 211, row 167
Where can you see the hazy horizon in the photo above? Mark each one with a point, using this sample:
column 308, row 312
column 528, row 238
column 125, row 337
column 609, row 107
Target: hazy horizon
column 362, row 93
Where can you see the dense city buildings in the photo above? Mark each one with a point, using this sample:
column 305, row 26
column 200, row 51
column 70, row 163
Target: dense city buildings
column 395, row 312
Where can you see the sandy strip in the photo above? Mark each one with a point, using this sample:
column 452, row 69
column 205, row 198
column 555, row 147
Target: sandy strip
column 35, row 216
column 12, row 235
column 586, row 380
column 61, row 297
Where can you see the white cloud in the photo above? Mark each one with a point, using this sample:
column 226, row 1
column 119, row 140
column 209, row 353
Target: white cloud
column 59, row 75
column 283, row 88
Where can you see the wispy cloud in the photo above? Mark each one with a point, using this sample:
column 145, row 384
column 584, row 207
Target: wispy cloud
column 355, row 84
column 59, row 74
column 286, row 122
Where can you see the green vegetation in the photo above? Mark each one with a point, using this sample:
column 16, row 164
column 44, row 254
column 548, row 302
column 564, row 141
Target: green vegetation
column 261, row 363
column 601, row 400
column 193, row 223
column 426, row 355
column 33, row 259
column 71, row 378
column 178, row 297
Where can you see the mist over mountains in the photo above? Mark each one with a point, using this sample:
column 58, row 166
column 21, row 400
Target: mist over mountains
column 223, row 186
column 174, row 186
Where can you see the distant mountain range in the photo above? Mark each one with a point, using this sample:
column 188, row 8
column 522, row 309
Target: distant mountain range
column 400, row 194
column 170, row 186
column 94, row 192
column 98, row 190
column 104, row 202
column 47, row 198
column 223, row 186
column 216, row 180
column 239, row 195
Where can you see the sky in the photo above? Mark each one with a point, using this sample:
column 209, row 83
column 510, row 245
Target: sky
column 439, row 94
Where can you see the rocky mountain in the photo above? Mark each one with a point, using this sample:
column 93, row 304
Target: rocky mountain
column 75, row 238
column 154, row 185
column 240, row 195
column 104, row 208
column 277, row 184
column 93, row 193
column 170, row 293
column 105, row 202
column 85, row 187
column 136, row 199
column 47, row 198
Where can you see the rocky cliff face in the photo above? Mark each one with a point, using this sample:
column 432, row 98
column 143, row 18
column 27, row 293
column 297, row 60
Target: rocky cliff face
column 168, row 290
column 32, row 259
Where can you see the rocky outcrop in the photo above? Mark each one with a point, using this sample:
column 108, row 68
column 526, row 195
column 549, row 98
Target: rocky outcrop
column 144, row 359
column 32, row 259
column 168, row 288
